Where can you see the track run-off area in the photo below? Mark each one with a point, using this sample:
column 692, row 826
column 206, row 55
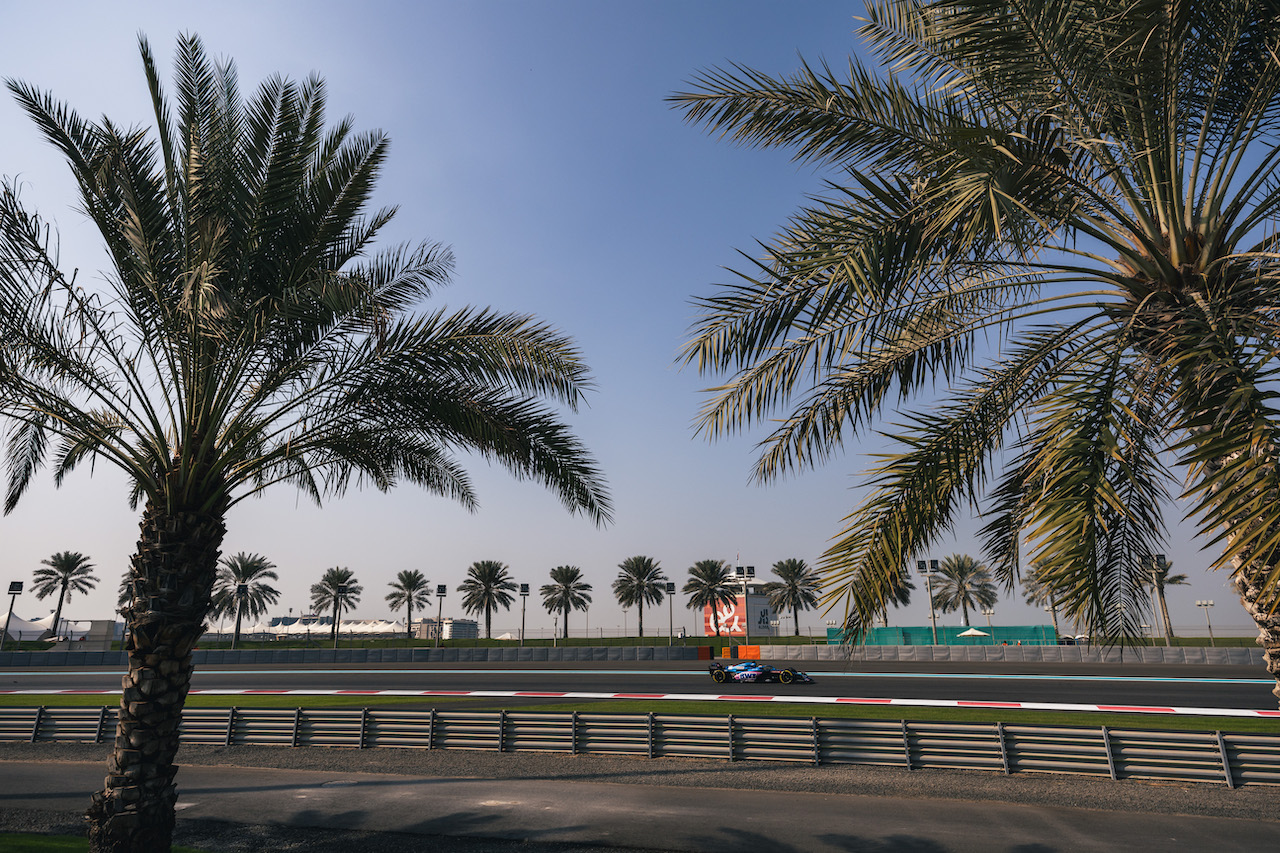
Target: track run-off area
column 1169, row 690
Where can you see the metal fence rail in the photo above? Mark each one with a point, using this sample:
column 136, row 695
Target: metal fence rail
column 1219, row 757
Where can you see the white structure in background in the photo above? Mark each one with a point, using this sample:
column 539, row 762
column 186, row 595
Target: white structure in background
column 42, row 629
column 86, row 634
column 361, row 627
column 451, row 629
column 313, row 628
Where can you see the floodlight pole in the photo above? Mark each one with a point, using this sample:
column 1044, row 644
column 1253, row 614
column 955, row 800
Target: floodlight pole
column 743, row 574
column 441, row 590
column 927, row 569
column 1205, row 605
column 524, row 598
column 671, row 619
column 15, row 590
column 1157, row 563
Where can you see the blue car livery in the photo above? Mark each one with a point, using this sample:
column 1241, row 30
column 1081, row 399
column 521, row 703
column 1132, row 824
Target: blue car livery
column 752, row 671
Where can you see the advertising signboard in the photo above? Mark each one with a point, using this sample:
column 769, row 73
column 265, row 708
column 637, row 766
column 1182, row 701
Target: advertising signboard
column 733, row 618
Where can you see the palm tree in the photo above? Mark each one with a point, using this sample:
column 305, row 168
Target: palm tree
column 963, row 583
column 1038, row 591
column 798, row 590
column 899, row 593
column 337, row 591
column 239, row 589
column 1062, row 211
column 639, row 581
column 566, row 592
column 710, row 584
column 66, row 572
column 248, row 333
column 409, row 590
column 1157, row 580
column 487, row 587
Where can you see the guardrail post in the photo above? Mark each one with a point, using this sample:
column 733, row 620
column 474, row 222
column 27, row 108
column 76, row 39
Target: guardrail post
column 573, row 734
column 35, row 725
column 297, row 727
column 651, row 734
column 817, row 742
column 231, row 725
column 502, row 731
column 731, row 737
column 364, row 726
column 102, row 724
column 431, row 731
column 906, row 743
column 1106, row 744
column 1226, row 760
column 1004, row 752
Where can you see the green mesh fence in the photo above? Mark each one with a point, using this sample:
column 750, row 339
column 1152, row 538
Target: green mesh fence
column 949, row 635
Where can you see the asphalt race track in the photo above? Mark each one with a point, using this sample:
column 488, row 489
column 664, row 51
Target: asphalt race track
column 1114, row 684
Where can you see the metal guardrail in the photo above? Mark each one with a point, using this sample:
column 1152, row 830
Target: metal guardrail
column 1222, row 757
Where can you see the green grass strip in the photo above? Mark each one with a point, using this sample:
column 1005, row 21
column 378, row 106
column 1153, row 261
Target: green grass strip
column 23, row 842
column 1012, row 717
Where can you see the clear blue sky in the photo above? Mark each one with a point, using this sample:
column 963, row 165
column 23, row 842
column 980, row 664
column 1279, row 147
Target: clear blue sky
column 534, row 139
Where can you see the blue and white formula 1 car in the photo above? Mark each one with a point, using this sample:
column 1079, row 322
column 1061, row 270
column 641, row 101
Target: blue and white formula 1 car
column 754, row 671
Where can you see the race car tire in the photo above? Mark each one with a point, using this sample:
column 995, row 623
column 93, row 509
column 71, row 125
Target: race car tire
column 786, row 676
column 719, row 676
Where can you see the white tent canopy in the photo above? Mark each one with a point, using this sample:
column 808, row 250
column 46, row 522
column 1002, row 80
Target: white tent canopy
column 299, row 628
column 973, row 632
column 34, row 629
column 29, row 629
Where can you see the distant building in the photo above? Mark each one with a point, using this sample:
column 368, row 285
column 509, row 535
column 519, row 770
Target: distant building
column 449, row 629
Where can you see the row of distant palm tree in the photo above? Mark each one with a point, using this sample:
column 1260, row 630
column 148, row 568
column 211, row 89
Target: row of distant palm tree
column 1039, row 590
column 640, row 582
column 962, row 583
column 490, row 586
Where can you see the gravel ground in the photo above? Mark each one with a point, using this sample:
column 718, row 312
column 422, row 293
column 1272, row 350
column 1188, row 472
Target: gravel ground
column 1251, row 802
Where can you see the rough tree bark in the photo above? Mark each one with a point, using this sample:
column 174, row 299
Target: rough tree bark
column 1263, row 609
column 172, row 575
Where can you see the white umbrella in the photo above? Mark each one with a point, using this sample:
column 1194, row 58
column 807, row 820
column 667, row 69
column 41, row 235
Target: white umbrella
column 973, row 632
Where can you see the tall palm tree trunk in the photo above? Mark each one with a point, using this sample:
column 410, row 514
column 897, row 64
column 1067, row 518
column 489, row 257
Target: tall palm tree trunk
column 235, row 637
column 1248, row 583
column 566, row 621
column 173, row 572
column 795, row 618
column 408, row 618
column 57, row 614
column 1164, row 613
column 640, row 616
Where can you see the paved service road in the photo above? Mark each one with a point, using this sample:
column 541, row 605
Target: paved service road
column 1115, row 684
column 712, row 820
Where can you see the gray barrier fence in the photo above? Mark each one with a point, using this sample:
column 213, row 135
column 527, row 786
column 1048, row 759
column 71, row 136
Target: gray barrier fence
column 509, row 654
column 1021, row 654
column 1215, row 757
column 513, row 654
